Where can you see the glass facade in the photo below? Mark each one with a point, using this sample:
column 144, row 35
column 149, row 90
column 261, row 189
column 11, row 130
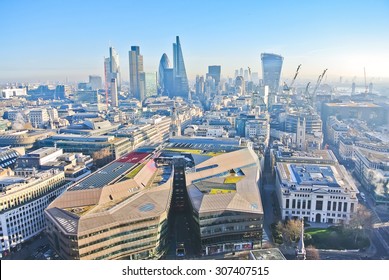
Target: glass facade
column 137, row 76
column 163, row 85
column 181, row 86
column 271, row 70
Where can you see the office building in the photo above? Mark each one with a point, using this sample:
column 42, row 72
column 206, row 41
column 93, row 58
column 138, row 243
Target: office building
column 118, row 212
column 180, row 80
column 8, row 156
column 23, row 138
column 22, row 202
column 114, row 93
column 165, row 76
column 240, row 86
column 314, row 187
column 95, row 82
column 107, row 147
column 221, row 181
column 8, row 93
column 214, row 72
column 151, row 84
column 368, row 112
column 87, row 96
column 271, row 71
column 112, row 68
column 137, row 75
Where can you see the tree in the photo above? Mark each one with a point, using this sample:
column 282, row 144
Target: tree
column 361, row 221
column 102, row 157
column 291, row 230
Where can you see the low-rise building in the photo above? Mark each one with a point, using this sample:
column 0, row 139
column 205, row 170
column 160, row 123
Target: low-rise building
column 315, row 188
column 22, row 201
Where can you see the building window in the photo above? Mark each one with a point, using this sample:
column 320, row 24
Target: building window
column 304, row 204
column 309, row 204
column 340, row 206
column 319, row 205
column 329, row 205
column 352, row 207
column 293, row 203
column 334, row 206
column 287, row 203
column 345, row 207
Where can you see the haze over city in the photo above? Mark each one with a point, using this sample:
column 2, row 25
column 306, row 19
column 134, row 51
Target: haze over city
column 69, row 40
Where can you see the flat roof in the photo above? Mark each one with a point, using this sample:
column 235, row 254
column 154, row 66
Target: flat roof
column 110, row 172
column 314, row 174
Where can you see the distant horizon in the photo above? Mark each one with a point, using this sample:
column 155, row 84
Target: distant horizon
column 70, row 39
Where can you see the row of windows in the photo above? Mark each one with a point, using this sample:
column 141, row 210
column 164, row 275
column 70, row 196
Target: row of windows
column 40, row 190
column 116, row 227
column 229, row 229
column 119, row 243
column 117, row 235
column 308, row 213
column 143, row 245
column 227, row 221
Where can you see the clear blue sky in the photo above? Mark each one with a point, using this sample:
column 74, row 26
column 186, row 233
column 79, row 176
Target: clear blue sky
column 52, row 40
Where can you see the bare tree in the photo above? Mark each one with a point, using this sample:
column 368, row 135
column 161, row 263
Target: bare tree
column 102, row 157
column 361, row 221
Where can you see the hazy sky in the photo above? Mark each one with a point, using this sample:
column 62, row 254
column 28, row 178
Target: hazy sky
column 52, row 40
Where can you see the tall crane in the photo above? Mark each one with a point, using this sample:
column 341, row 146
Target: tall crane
column 295, row 76
column 288, row 88
column 364, row 71
column 318, row 82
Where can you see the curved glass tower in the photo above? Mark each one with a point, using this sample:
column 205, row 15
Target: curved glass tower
column 164, row 65
column 271, row 70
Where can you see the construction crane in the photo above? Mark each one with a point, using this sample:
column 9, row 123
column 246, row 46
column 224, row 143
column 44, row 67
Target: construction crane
column 364, row 71
column 318, row 82
column 288, row 88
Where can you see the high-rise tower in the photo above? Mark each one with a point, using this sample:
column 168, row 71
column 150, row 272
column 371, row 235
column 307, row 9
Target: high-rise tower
column 112, row 68
column 137, row 76
column 180, row 80
column 271, row 71
column 114, row 93
column 165, row 76
column 214, row 71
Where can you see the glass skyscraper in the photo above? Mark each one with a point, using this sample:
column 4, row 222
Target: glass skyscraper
column 180, row 80
column 271, row 71
column 137, row 76
column 214, row 71
column 164, row 86
column 112, row 68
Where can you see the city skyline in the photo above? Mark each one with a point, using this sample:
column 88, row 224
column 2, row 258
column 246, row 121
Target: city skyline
column 341, row 37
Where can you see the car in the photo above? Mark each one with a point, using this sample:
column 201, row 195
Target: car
column 363, row 196
column 180, row 250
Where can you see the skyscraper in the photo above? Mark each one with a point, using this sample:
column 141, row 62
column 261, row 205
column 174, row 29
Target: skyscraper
column 137, row 76
column 151, row 84
column 112, row 68
column 164, row 87
column 180, row 80
column 271, row 71
column 214, row 71
column 114, row 93
column 95, row 82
